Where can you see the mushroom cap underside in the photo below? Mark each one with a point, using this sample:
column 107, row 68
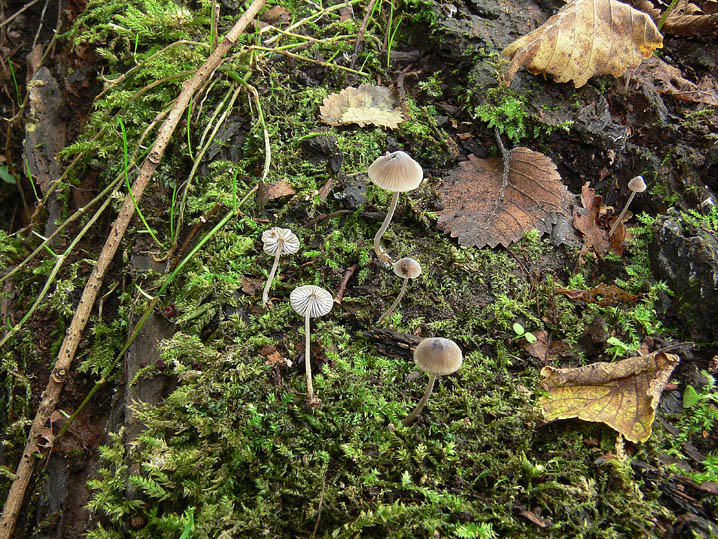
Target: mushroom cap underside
column 311, row 299
column 280, row 238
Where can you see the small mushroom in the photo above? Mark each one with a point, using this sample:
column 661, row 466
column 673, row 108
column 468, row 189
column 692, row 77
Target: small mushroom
column 277, row 241
column 396, row 172
column 437, row 357
column 636, row 185
column 310, row 301
column 406, row 268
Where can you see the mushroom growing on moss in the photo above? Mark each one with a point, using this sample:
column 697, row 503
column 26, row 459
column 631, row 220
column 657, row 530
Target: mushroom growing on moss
column 396, row 172
column 277, row 241
column 406, row 268
column 310, row 301
column 437, row 357
column 636, row 185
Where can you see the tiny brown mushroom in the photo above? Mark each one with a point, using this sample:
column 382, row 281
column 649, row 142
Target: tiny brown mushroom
column 277, row 241
column 437, row 357
column 406, row 268
column 310, row 301
column 636, row 185
column 396, row 172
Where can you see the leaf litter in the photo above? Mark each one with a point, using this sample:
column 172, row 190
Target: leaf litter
column 624, row 395
column 367, row 104
column 586, row 38
column 492, row 202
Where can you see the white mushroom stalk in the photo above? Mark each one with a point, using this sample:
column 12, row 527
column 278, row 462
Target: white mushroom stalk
column 636, row 185
column 435, row 356
column 396, row 172
column 406, row 268
column 277, row 241
column 310, row 301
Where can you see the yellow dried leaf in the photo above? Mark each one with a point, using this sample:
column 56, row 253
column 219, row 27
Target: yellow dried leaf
column 586, row 38
column 624, row 395
column 367, row 104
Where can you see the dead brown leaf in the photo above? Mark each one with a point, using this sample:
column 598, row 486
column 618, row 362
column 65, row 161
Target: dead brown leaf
column 624, row 395
column 278, row 190
column 669, row 80
column 544, row 348
column 603, row 294
column 367, row 104
column 586, row 38
column 251, row 286
column 480, row 211
column 590, row 220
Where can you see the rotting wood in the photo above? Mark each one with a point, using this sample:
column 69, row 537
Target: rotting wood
column 50, row 396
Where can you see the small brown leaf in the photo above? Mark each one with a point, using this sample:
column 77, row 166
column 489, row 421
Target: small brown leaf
column 367, row 104
column 480, row 210
column 586, row 38
column 603, row 294
column 623, row 395
column 544, row 348
column 251, row 286
column 278, row 190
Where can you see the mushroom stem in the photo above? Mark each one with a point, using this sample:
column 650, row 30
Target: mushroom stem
column 381, row 253
column 272, row 273
column 307, row 361
column 396, row 301
column 419, row 407
column 620, row 215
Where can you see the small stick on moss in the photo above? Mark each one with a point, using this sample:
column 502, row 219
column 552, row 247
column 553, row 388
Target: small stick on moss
column 56, row 381
column 360, row 34
column 343, row 285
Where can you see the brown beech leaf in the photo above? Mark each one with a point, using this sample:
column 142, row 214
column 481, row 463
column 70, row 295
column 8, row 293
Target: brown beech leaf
column 480, row 211
column 586, row 38
column 367, row 104
column 624, row 395
column 604, row 294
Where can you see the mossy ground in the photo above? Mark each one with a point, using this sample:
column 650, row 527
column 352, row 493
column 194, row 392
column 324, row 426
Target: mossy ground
column 233, row 450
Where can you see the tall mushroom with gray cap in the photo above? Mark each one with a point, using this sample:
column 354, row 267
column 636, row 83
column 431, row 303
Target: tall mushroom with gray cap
column 396, row 172
column 406, row 268
column 636, row 185
column 277, row 241
column 437, row 357
column 310, row 301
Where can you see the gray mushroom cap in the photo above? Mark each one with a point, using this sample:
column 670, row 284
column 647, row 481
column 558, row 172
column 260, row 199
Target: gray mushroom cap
column 396, row 171
column 311, row 299
column 438, row 356
column 637, row 185
column 280, row 238
column 407, row 268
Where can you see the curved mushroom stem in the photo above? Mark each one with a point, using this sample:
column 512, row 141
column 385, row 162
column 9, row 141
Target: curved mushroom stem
column 381, row 253
column 419, row 407
column 620, row 215
column 265, row 294
column 396, row 301
column 307, row 362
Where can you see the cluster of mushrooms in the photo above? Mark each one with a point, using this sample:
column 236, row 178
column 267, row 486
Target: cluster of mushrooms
column 396, row 172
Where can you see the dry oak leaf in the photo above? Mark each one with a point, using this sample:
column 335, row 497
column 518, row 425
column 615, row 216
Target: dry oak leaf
column 589, row 221
column 667, row 79
column 604, row 294
column 480, row 210
column 367, row 104
column 623, row 395
column 586, row 38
